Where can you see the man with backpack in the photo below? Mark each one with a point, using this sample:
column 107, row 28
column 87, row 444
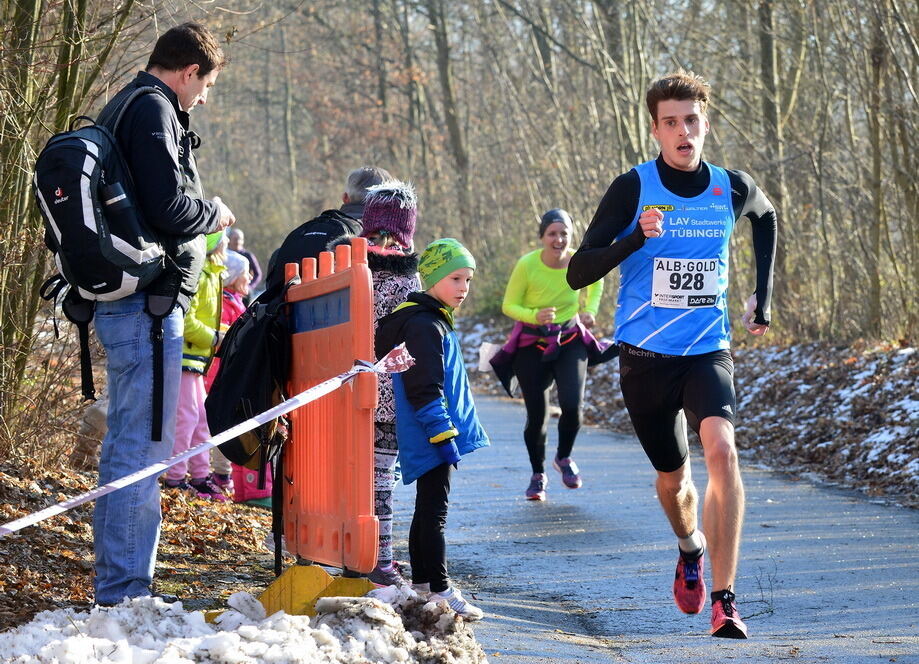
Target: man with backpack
column 312, row 237
column 142, row 333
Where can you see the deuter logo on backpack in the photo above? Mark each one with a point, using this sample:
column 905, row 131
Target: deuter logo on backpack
column 84, row 191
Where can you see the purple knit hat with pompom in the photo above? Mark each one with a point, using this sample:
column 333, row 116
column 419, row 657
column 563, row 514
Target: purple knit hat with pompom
column 390, row 208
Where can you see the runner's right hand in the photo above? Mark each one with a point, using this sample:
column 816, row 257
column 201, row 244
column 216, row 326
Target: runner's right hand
column 652, row 222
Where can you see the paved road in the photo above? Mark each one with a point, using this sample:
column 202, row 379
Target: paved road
column 825, row 575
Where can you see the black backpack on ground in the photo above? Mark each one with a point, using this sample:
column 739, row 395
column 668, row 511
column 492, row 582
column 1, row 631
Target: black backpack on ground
column 102, row 247
column 308, row 240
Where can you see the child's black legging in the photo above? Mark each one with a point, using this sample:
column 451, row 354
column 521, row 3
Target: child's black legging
column 569, row 371
column 427, row 548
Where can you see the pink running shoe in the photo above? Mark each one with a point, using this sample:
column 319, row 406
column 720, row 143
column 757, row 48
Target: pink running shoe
column 689, row 582
column 726, row 622
column 537, row 488
column 571, row 474
column 207, row 489
column 225, row 482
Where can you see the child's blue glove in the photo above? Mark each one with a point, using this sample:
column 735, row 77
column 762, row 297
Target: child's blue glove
column 448, row 451
column 440, row 430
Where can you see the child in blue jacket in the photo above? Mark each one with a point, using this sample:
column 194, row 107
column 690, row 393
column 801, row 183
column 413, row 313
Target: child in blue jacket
column 436, row 422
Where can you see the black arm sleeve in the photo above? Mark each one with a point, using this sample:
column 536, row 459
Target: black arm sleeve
column 750, row 201
column 153, row 135
column 598, row 254
column 424, row 381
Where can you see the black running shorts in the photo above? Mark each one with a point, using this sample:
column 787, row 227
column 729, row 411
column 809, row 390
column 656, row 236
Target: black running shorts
column 657, row 387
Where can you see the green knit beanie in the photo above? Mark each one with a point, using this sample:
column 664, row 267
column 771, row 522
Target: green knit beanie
column 440, row 258
column 213, row 239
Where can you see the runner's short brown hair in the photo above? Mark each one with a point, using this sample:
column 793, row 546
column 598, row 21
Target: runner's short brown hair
column 187, row 44
column 679, row 85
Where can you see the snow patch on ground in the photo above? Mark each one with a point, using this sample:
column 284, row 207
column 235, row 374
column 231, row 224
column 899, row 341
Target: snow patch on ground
column 389, row 625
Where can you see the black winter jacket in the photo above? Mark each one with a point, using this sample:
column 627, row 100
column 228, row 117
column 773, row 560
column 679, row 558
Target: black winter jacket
column 154, row 138
column 307, row 241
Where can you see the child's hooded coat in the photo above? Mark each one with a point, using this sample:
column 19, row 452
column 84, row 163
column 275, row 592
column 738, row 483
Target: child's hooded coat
column 433, row 398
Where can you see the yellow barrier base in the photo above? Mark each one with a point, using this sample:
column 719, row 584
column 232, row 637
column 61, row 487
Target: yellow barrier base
column 297, row 589
column 212, row 614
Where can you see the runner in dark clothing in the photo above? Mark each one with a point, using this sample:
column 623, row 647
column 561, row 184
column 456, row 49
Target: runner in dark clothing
column 667, row 225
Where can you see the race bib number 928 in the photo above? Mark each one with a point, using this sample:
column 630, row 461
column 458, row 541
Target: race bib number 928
column 684, row 283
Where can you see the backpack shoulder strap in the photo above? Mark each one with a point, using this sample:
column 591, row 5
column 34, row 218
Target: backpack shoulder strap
column 111, row 128
column 80, row 312
column 139, row 92
column 158, row 307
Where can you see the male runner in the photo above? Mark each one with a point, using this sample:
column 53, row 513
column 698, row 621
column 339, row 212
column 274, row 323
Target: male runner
column 667, row 225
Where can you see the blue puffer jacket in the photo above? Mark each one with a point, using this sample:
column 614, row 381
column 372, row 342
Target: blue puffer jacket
column 433, row 398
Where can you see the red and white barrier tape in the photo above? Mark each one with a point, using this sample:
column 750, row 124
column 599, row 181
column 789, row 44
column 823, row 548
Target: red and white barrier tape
column 396, row 361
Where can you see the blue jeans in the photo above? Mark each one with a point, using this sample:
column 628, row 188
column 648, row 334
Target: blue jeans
column 126, row 523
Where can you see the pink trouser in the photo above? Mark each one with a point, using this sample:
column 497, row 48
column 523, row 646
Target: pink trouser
column 191, row 428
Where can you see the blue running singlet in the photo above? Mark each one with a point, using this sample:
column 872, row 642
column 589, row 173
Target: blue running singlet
column 673, row 291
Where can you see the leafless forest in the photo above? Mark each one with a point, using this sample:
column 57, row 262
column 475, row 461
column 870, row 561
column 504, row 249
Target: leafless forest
column 497, row 110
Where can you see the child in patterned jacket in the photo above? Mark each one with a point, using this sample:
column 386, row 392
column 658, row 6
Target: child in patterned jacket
column 389, row 217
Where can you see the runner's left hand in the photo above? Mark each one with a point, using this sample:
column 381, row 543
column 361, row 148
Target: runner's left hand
column 756, row 329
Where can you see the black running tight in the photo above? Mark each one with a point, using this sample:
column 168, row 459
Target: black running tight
column 427, row 548
column 568, row 370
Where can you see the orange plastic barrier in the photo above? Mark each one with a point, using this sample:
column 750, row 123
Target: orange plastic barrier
column 329, row 505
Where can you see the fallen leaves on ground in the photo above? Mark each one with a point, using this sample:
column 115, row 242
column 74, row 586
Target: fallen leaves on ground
column 207, row 552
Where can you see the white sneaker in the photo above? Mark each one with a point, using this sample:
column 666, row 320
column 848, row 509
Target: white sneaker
column 457, row 602
column 423, row 590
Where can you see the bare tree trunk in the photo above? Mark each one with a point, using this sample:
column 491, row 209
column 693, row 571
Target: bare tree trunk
column 269, row 138
column 70, row 62
column 829, row 325
column 906, row 164
column 772, row 116
column 413, row 97
column 629, row 127
column 873, row 225
column 451, row 112
column 381, row 79
column 289, row 143
column 34, row 93
column 20, row 262
column 544, row 48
